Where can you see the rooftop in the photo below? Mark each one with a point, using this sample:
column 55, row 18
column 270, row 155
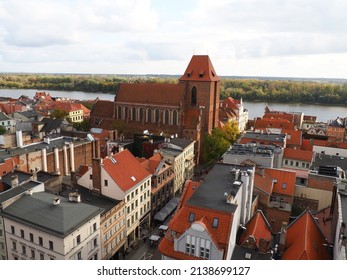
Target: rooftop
column 37, row 210
column 272, row 137
column 210, row 194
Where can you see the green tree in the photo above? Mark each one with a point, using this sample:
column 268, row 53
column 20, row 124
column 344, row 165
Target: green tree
column 82, row 126
column 231, row 132
column 215, row 146
column 59, row 114
column 3, row 130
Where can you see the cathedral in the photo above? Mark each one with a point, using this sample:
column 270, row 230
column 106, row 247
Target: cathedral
column 188, row 109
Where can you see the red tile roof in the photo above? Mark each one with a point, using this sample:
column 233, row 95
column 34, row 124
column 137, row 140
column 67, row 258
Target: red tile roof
column 273, row 123
column 263, row 183
column 180, row 223
column 304, row 240
column 284, row 181
column 103, row 109
column 258, row 227
column 200, row 68
column 148, row 93
column 306, row 145
column 279, row 115
column 126, row 171
column 293, row 137
column 298, row 154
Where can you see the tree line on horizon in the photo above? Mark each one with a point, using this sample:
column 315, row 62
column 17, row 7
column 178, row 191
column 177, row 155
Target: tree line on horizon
column 283, row 91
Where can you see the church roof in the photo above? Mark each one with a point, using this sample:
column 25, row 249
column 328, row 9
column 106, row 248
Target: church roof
column 200, row 68
column 150, row 93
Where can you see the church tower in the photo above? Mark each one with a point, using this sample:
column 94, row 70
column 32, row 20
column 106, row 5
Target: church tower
column 201, row 97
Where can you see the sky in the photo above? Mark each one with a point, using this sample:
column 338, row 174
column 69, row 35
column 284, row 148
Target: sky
column 269, row 38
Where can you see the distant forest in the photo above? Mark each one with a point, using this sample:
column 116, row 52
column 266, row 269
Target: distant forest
column 252, row 89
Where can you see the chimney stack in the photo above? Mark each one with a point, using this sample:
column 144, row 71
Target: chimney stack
column 96, row 171
column 283, row 236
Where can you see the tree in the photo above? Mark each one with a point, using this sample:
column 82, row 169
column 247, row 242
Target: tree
column 59, row 114
column 231, row 132
column 215, row 145
column 82, row 126
column 3, row 130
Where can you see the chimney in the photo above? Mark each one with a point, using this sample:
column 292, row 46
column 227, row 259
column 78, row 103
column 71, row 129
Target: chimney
column 111, row 136
column 96, row 148
column 56, row 200
column 19, row 139
column 96, row 171
column 73, row 178
column 14, row 181
column 283, row 236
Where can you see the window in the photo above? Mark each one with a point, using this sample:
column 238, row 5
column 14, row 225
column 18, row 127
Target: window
column 192, row 249
column 1, row 232
column 40, row 241
column 207, row 254
column 296, row 163
column 284, row 185
column 133, row 114
column 156, row 115
column 286, row 162
column 22, row 233
column 12, row 230
column 42, row 257
column 191, row 217
column 105, row 183
column 14, row 246
column 78, row 239
column 91, row 176
column 149, row 115
column 193, row 96
column 50, row 245
column 202, row 252
column 175, row 118
column 79, row 255
column 32, row 253
column 94, row 227
column 166, row 116
column 24, row 250
column 215, row 222
column 31, row 236
column 141, row 114
column 187, row 248
column 95, row 242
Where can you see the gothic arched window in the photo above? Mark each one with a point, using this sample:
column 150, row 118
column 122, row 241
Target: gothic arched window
column 175, row 118
column 193, row 97
column 156, row 115
column 133, row 114
column 166, row 116
column 149, row 115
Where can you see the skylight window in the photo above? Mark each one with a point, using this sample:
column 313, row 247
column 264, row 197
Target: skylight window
column 284, row 185
column 191, row 217
column 133, row 178
column 215, row 222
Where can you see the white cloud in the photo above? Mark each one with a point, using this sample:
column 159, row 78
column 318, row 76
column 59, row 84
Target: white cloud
column 116, row 36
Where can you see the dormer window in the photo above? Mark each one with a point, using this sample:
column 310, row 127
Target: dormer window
column 215, row 222
column 191, row 217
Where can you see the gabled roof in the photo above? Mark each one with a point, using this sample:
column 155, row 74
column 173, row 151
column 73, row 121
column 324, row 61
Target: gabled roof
column 149, row 93
column 258, row 227
column 103, row 109
column 284, row 181
column 263, row 183
column 125, row 170
column 305, row 241
column 293, row 136
column 280, row 115
column 298, row 154
column 273, row 123
column 200, row 68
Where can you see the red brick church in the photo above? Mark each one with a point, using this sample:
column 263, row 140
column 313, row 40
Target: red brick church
column 188, row 109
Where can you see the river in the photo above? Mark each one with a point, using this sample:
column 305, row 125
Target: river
column 255, row 109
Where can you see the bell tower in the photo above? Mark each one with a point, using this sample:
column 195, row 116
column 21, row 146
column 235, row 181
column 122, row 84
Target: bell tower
column 201, row 96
